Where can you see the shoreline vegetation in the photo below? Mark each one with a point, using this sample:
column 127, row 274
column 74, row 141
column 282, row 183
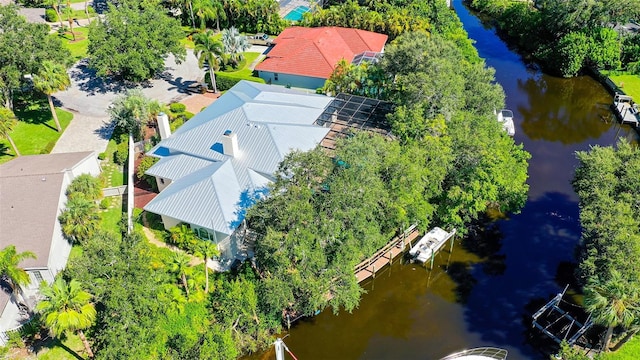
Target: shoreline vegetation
column 568, row 38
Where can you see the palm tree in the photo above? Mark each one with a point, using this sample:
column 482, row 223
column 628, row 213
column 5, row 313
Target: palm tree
column 612, row 303
column 8, row 121
column 234, row 44
column 204, row 11
column 207, row 249
column 80, row 218
column 52, row 77
column 132, row 110
column 67, row 307
column 87, row 185
column 180, row 265
column 68, row 10
column 208, row 49
column 217, row 7
column 10, row 260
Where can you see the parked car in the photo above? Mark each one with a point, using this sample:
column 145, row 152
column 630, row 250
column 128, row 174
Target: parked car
column 260, row 39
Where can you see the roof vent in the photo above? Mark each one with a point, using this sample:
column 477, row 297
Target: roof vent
column 230, row 143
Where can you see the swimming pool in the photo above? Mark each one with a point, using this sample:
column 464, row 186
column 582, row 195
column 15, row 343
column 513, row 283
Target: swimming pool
column 296, row 14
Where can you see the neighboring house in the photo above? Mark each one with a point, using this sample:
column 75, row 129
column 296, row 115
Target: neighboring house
column 218, row 163
column 306, row 57
column 32, row 196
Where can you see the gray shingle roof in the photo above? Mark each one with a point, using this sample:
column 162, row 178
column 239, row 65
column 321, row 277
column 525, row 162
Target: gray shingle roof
column 213, row 190
column 30, row 190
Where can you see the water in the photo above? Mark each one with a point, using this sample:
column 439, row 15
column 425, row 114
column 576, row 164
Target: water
column 485, row 292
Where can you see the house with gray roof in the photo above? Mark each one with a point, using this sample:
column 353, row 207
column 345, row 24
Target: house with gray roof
column 32, row 196
column 220, row 162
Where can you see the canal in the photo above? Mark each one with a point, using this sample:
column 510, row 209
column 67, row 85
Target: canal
column 483, row 293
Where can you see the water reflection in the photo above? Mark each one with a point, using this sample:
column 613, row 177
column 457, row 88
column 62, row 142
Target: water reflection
column 570, row 111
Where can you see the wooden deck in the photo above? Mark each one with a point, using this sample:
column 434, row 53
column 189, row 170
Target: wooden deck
column 384, row 256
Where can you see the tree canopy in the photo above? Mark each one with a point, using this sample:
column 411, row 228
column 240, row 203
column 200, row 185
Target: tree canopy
column 23, row 48
column 133, row 41
column 606, row 181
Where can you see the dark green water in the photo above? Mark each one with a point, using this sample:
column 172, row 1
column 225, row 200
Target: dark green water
column 484, row 293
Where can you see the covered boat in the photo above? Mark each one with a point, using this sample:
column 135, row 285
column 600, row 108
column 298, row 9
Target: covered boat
column 505, row 117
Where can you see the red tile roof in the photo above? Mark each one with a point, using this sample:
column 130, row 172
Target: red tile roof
column 314, row 52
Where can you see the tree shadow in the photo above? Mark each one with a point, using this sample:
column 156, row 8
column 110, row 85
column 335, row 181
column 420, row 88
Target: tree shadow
column 106, row 130
column 50, row 343
column 88, row 81
column 6, row 151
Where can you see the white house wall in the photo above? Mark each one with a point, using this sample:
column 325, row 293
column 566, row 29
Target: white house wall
column 169, row 222
column 162, row 183
column 90, row 165
column 296, row 81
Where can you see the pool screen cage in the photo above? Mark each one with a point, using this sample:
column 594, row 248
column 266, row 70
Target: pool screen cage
column 347, row 113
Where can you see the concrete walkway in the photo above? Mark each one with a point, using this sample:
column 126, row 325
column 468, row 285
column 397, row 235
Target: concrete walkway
column 89, row 97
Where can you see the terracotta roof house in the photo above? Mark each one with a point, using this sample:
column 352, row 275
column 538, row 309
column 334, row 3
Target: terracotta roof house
column 219, row 163
column 306, row 57
column 32, row 196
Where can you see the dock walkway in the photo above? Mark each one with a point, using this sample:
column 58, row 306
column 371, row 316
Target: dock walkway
column 384, row 256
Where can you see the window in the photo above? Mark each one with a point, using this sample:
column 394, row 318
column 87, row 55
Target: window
column 275, row 76
column 38, row 276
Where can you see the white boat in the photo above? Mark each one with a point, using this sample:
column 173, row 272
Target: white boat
column 431, row 242
column 482, row 353
column 505, row 117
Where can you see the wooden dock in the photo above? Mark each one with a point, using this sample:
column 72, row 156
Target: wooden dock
column 384, row 256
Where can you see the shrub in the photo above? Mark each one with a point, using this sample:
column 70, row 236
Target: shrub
column 146, row 163
column 226, row 81
column 177, row 108
column 121, row 154
column 50, row 15
column 187, row 115
column 102, row 156
column 104, row 203
column 176, row 124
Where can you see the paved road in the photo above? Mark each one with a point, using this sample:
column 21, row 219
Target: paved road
column 89, row 97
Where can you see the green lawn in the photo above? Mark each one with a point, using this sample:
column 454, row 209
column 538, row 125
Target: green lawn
column 187, row 41
column 79, row 47
column 111, row 217
column 629, row 351
column 36, row 131
column 630, row 84
column 249, row 57
column 64, row 350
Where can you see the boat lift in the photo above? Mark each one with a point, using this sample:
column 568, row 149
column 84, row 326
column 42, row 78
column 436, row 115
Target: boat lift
column 557, row 323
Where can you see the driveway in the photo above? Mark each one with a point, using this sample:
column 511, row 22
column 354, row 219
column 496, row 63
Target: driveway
column 89, row 97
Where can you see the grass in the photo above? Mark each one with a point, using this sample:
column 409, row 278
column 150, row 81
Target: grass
column 63, row 350
column 187, row 41
column 79, row 47
column 629, row 351
column 36, row 131
column 249, row 57
column 112, row 216
column 630, row 84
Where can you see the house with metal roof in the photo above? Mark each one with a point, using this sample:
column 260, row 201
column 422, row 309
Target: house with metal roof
column 216, row 165
column 305, row 57
column 32, row 196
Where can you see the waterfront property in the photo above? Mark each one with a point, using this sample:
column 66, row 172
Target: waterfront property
column 626, row 110
column 306, row 57
column 32, row 196
column 219, row 163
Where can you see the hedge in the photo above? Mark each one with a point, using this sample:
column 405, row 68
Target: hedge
column 226, row 81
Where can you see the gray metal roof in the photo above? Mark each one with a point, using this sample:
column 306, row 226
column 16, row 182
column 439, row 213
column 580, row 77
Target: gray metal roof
column 213, row 190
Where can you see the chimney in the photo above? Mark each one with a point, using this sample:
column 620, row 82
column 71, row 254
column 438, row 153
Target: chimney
column 230, row 143
column 163, row 126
